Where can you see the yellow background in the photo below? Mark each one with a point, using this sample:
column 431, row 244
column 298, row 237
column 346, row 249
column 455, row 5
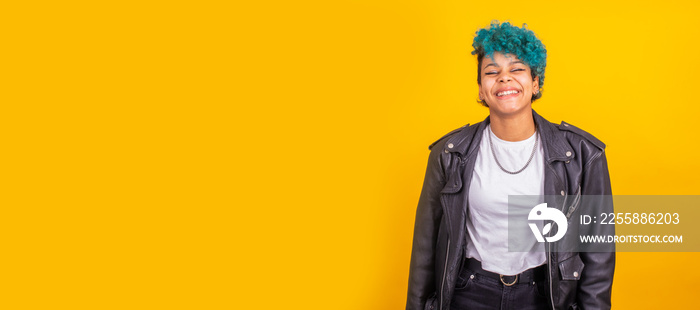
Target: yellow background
column 269, row 155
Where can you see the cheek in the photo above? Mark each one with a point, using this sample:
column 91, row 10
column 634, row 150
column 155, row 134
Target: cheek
column 527, row 83
column 484, row 87
column 483, row 92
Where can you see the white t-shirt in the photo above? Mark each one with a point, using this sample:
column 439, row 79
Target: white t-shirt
column 487, row 221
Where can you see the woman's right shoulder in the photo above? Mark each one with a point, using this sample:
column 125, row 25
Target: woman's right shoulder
column 444, row 137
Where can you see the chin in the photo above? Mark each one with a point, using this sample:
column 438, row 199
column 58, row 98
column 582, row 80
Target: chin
column 509, row 108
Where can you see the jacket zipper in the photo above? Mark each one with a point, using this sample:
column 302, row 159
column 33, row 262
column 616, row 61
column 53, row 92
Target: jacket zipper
column 444, row 273
column 549, row 274
column 549, row 265
column 549, row 246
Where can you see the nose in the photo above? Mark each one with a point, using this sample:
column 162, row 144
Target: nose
column 505, row 76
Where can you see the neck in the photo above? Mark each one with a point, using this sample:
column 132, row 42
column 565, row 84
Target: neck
column 516, row 127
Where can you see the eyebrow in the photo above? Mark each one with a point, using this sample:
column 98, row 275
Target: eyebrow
column 496, row 65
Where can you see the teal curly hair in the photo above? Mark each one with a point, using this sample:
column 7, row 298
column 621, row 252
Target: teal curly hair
column 509, row 39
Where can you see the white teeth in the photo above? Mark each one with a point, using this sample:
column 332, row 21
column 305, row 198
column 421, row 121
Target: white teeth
column 506, row 93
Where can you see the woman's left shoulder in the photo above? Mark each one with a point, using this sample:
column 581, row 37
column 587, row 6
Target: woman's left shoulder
column 578, row 132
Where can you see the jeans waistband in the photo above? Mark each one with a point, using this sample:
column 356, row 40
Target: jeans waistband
column 531, row 275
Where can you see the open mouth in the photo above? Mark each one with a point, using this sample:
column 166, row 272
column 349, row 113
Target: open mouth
column 507, row 93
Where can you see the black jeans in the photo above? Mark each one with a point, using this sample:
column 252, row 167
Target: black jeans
column 480, row 292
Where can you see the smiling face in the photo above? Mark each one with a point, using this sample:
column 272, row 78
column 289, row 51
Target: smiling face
column 507, row 85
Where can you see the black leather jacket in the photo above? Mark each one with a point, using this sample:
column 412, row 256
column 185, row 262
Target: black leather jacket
column 575, row 164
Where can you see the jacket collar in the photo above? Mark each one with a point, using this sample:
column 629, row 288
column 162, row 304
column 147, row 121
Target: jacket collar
column 555, row 144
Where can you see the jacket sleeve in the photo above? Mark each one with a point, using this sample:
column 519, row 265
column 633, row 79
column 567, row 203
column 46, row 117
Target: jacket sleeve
column 421, row 279
column 595, row 285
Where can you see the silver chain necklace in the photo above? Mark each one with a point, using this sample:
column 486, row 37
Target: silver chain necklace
column 537, row 138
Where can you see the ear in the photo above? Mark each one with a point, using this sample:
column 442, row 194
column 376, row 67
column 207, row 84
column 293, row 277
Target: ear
column 536, row 85
column 481, row 95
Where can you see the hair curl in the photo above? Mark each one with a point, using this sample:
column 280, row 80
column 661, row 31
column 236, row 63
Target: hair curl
column 509, row 39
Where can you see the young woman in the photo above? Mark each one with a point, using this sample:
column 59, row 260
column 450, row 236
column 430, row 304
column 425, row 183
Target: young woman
column 460, row 257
